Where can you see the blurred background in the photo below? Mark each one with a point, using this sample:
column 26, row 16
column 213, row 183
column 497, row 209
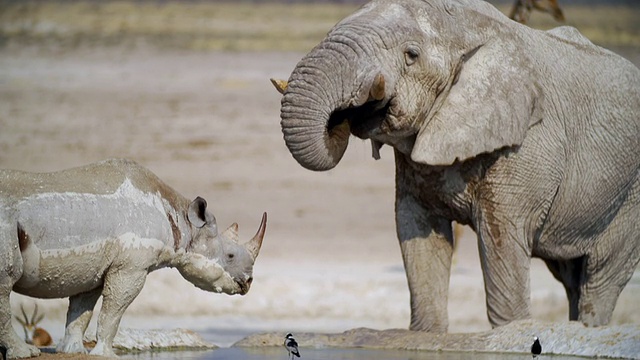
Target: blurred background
column 183, row 88
column 291, row 25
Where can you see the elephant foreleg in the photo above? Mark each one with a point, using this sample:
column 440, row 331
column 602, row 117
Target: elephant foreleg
column 427, row 248
column 505, row 264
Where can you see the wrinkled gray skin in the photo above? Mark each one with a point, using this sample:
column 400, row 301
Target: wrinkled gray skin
column 530, row 137
column 99, row 230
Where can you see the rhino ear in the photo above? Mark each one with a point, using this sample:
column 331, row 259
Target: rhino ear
column 198, row 214
column 493, row 102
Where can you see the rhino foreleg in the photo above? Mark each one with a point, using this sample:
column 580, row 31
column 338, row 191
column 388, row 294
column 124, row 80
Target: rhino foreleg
column 78, row 317
column 11, row 266
column 121, row 287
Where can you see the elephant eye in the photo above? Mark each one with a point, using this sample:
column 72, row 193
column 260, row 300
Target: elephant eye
column 411, row 55
column 230, row 256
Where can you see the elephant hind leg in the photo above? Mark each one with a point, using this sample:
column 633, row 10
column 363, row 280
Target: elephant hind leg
column 592, row 293
column 611, row 262
column 599, row 296
column 569, row 273
column 605, row 278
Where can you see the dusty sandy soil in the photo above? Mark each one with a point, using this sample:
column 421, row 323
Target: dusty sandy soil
column 208, row 124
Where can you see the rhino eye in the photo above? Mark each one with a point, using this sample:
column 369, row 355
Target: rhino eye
column 230, row 256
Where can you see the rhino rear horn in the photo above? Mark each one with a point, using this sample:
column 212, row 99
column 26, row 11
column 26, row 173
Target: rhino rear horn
column 254, row 245
column 231, row 233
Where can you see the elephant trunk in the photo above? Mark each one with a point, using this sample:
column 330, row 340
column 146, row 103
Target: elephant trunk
column 313, row 143
column 324, row 83
column 307, row 105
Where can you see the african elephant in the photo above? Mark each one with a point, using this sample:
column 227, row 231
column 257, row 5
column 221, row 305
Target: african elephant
column 530, row 137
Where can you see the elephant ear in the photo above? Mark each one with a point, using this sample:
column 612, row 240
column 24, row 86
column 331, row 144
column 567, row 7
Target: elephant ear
column 493, row 102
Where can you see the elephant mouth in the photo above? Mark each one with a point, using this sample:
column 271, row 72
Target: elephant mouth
column 364, row 121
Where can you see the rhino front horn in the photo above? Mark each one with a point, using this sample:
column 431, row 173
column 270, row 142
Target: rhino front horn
column 253, row 246
column 231, row 233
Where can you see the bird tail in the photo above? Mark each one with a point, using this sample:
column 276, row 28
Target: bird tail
column 296, row 354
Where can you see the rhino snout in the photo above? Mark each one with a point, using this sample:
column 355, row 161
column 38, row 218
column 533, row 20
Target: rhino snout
column 244, row 285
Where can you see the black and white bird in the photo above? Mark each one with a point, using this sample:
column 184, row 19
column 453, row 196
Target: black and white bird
column 291, row 345
column 536, row 348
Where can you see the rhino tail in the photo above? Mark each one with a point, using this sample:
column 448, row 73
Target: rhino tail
column 23, row 238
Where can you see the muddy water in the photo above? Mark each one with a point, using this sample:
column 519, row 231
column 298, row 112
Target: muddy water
column 273, row 353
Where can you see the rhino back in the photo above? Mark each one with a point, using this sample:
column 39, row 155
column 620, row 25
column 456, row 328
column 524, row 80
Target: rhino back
column 82, row 205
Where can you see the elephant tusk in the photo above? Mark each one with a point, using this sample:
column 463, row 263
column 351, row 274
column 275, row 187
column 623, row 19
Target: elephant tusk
column 377, row 89
column 280, row 85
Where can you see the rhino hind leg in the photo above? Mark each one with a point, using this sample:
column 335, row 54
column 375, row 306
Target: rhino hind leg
column 78, row 317
column 121, row 287
column 10, row 273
